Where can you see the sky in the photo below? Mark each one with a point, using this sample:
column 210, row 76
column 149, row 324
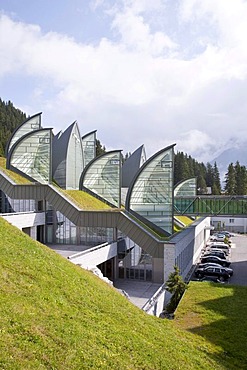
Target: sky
column 157, row 72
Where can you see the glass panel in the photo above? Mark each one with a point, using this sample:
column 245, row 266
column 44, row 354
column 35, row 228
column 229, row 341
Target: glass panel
column 32, row 155
column 152, row 193
column 186, row 188
column 33, row 123
column 89, row 148
column 103, row 177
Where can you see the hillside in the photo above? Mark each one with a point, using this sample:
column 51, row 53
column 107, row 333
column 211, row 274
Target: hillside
column 10, row 118
column 55, row 315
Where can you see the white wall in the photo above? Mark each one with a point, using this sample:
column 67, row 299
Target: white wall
column 189, row 243
column 94, row 256
column 234, row 224
column 25, row 219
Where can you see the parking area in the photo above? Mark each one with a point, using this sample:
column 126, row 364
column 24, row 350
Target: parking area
column 239, row 260
column 236, row 268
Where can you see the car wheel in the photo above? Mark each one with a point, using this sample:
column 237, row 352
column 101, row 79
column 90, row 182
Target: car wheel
column 200, row 276
column 221, row 278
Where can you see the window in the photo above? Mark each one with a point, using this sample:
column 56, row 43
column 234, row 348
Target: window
column 231, row 220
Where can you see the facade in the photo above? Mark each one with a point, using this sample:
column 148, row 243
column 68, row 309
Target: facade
column 134, row 242
column 150, row 194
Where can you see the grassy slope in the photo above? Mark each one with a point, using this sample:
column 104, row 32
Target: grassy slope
column 55, row 315
column 217, row 313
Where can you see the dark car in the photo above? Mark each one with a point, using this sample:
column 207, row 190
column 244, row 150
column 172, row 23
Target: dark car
column 215, row 259
column 219, row 254
column 220, row 272
column 212, row 264
column 212, row 279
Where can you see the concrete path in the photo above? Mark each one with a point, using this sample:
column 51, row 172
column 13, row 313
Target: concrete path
column 139, row 292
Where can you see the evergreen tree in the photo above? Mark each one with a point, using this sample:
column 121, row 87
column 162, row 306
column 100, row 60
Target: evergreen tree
column 230, row 181
column 176, row 286
column 10, row 118
column 216, row 188
column 209, row 175
column 100, row 149
column 240, row 179
column 201, row 184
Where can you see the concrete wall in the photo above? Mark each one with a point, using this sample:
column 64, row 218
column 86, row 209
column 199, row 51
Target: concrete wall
column 155, row 305
column 233, row 224
column 188, row 244
column 94, row 256
column 25, row 221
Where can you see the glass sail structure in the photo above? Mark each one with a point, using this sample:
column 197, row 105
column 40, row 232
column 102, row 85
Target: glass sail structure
column 88, row 147
column 31, row 155
column 67, row 161
column 132, row 165
column 151, row 192
column 31, row 124
column 102, row 177
column 186, row 188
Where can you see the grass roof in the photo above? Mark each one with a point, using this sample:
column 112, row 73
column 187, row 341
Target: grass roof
column 18, row 179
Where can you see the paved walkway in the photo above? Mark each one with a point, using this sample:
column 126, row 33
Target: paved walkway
column 67, row 250
column 139, row 292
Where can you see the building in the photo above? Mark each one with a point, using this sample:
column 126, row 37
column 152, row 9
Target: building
column 130, row 234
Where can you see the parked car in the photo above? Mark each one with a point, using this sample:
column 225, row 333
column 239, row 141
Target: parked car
column 218, row 237
column 221, row 272
column 215, row 259
column 212, row 264
column 220, row 254
column 220, row 247
column 227, row 233
column 212, row 279
column 208, row 244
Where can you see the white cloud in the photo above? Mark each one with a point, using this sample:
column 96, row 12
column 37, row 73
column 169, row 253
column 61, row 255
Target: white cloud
column 140, row 88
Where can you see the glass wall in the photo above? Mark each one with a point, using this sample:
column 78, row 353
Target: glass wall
column 32, row 155
column 89, row 147
column 186, row 188
column 31, row 124
column 8, row 205
column 102, row 177
column 151, row 195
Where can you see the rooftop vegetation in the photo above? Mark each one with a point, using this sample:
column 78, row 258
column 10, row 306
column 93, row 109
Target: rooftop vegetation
column 18, row 179
column 55, row 315
column 86, row 201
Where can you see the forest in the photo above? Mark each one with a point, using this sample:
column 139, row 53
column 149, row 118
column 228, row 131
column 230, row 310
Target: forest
column 184, row 165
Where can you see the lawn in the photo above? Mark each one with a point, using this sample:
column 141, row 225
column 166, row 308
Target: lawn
column 55, row 315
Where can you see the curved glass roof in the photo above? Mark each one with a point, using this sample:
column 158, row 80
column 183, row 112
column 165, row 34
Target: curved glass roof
column 151, row 192
column 31, row 155
column 102, row 177
column 186, row 188
column 31, row 124
column 89, row 147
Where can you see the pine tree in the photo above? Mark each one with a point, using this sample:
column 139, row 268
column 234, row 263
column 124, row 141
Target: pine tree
column 230, row 180
column 99, row 148
column 216, row 188
column 176, row 286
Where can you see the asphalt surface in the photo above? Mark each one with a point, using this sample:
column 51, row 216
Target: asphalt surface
column 238, row 260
